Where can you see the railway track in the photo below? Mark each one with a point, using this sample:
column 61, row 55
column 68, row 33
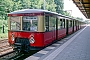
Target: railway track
column 6, row 52
column 12, row 55
column 3, row 41
column 4, row 47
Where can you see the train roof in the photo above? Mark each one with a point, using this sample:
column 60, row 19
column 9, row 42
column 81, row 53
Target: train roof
column 29, row 11
column 23, row 11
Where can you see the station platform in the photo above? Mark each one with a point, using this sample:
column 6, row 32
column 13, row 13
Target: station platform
column 74, row 47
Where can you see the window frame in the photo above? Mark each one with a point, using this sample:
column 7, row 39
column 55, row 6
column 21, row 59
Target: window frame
column 16, row 21
column 31, row 26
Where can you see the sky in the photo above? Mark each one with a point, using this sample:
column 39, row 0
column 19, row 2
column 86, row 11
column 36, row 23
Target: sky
column 71, row 7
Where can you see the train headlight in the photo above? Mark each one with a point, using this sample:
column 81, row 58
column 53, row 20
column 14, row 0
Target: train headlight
column 31, row 40
column 13, row 37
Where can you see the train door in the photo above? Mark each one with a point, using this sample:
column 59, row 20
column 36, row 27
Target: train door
column 73, row 24
column 76, row 26
column 56, row 28
column 52, row 27
column 61, row 28
column 66, row 27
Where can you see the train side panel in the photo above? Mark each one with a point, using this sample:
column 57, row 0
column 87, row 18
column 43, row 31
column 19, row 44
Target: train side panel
column 74, row 28
column 61, row 33
column 70, row 30
column 49, row 37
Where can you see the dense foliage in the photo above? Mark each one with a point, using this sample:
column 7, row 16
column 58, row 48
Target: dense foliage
column 7, row 6
column 59, row 6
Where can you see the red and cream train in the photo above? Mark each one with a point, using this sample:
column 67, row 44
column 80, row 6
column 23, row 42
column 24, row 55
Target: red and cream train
column 33, row 29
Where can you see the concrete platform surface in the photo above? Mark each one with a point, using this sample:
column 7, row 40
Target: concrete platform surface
column 70, row 48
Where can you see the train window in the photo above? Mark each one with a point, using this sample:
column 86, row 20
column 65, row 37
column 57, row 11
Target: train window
column 15, row 23
column 61, row 24
column 70, row 24
column 46, row 23
column 64, row 23
column 76, row 23
column 52, row 23
column 29, row 23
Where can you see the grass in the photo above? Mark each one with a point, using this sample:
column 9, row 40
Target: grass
column 3, row 35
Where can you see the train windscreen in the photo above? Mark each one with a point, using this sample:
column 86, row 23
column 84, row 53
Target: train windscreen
column 15, row 23
column 29, row 23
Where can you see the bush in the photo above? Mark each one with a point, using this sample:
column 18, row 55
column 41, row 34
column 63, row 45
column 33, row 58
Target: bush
column 3, row 35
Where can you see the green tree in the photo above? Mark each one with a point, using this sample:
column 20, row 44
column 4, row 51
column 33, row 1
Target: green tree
column 59, row 6
column 50, row 5
column 5, row 8
column 79, row 18
column 36, row 4
column 66, row 13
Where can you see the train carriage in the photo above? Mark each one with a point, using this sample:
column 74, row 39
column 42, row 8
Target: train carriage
column 33, row 29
